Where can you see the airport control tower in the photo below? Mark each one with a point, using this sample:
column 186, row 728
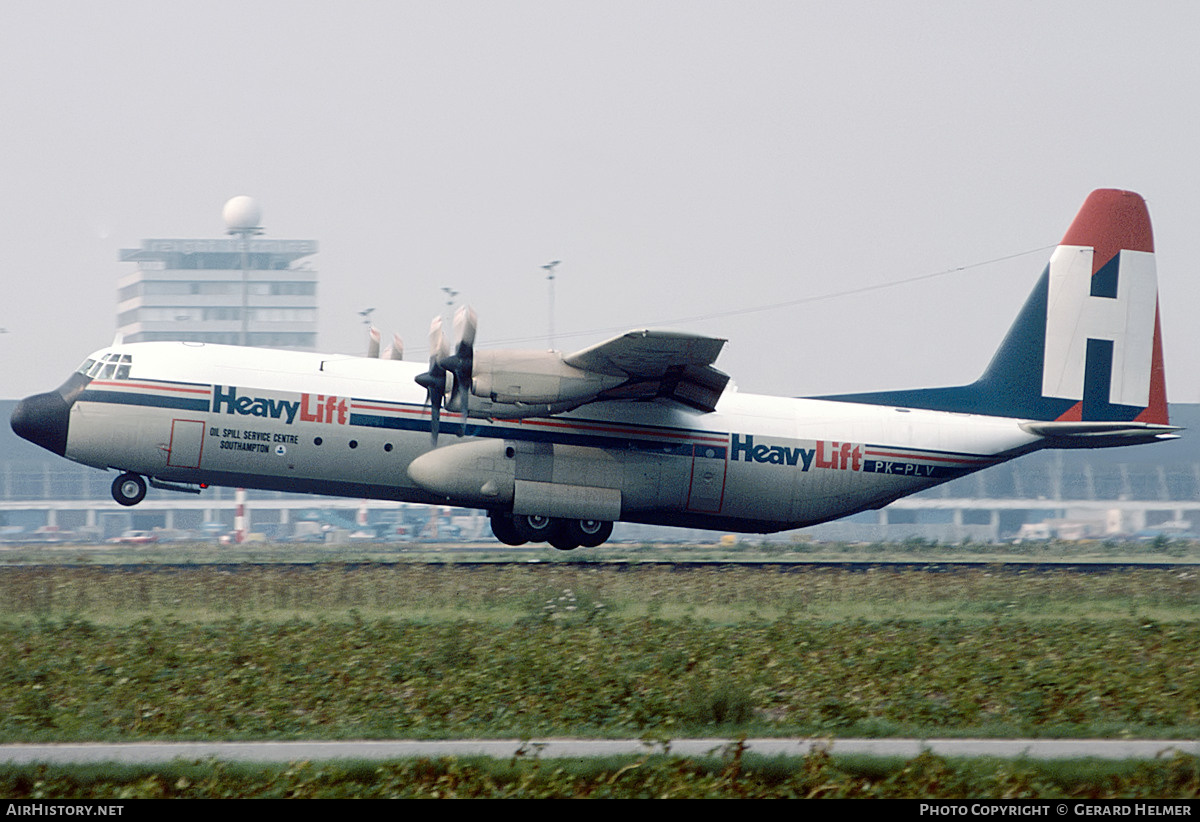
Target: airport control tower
column 241, row 290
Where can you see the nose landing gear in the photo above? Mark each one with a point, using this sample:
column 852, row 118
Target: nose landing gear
column 129, row 489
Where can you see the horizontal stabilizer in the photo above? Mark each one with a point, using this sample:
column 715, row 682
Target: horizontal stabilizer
column 1099, row 434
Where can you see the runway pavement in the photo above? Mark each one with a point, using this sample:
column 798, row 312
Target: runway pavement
column 155, row 752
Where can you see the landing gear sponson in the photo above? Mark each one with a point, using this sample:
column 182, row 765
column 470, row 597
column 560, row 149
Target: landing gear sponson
column 563, row 534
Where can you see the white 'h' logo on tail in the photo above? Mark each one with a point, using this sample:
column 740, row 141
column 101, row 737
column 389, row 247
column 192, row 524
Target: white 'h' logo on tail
column 1073, row 316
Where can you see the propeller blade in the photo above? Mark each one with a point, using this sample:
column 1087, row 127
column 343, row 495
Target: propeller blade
column 395, row 351
column 439, row 347
column 435, row 413
column 466, row 409
column 465, row 323
column 434, row 383
column 373, row 342
column 462, row 363
column 434, row 380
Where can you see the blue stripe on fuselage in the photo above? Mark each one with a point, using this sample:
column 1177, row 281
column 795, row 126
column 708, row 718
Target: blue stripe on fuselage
column 147, row 400
column 452, row 428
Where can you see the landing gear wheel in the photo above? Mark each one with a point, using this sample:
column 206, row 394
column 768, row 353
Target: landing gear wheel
column 129, row 489
column 535, row 528
column 506, row 530
column 563, row 539
column 588, row 532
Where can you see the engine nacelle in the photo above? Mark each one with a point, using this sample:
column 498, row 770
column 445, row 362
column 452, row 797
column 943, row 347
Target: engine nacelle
column 535, row 378
column 477, row 473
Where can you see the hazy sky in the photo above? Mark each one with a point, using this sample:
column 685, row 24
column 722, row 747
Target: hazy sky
column 683, row 159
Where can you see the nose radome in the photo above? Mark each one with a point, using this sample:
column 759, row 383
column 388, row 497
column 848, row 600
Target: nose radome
column 42, row 419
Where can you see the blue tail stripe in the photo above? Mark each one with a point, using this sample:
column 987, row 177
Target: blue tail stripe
column 1010, row 387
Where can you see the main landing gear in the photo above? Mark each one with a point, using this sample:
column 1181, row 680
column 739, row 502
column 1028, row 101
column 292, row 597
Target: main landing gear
column 129, row 489
column 563, row 534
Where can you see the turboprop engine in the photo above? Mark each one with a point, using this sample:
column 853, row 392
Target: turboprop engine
column 512, row 383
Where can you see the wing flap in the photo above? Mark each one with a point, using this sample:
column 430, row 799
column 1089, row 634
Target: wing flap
column 647, row 353
column 658, row 365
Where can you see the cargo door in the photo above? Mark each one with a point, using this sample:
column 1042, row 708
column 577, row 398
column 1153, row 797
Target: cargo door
column 187, row 441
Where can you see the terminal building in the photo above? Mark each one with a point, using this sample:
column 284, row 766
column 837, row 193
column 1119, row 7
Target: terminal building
column 240, row 290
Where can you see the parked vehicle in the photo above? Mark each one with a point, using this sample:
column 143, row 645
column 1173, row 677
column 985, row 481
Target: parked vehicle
column 135, row 538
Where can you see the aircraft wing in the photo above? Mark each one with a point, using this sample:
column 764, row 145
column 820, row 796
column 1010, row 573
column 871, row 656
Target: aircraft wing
column 658, row 364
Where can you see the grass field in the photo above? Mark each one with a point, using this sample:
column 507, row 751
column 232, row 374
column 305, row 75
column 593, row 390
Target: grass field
column 337, row 651
column 1160, row 550
column 331, row 651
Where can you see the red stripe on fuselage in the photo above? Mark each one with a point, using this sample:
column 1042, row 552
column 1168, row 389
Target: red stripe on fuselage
column 150, row 386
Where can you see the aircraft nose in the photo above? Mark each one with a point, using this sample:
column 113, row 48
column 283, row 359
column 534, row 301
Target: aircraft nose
column 42, row 419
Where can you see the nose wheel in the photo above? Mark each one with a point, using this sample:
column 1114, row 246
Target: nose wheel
column 129, row 489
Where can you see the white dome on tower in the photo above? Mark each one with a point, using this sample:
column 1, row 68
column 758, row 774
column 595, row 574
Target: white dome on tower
column 242, row 213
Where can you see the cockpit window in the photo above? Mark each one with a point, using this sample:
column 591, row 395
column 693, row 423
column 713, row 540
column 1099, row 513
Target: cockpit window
column 110, row 366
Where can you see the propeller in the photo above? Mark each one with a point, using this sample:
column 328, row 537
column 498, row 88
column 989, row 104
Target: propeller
column 461, row 363
column 395, row 351
column 458, row 364
column 434, row 380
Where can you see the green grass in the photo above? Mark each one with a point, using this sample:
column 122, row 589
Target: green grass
column 503, row 595
column 416, row 650
column 748, row 549
column 334, row 651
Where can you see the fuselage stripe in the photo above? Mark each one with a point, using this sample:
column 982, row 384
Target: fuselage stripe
column 708, row 437
column 500, row 431
column 125, row 384
column 926, row 456
column 148, row 400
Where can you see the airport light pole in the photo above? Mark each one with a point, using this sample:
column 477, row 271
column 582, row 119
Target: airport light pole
column 549, row 269
column 243, row 218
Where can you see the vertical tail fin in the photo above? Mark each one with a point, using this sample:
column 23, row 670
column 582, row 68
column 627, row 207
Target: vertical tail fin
column 1087, row 344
